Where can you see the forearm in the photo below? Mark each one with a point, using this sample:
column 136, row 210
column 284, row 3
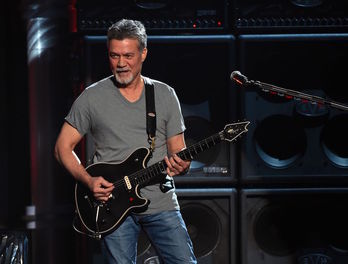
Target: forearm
column 176, row 166
column 69, row 160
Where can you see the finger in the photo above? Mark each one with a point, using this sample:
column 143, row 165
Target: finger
column 181, row 165
column 178, row 159
column 185, row 164
column 103, row 197
column 100, row 197
column 106, row 187
column 104, row 192
column 169, row 164
column 109, row 189
column 105, row 183
column 173, row 163
column 166, row 159
column 177, row 167
column 100, row 190
column 170, row 173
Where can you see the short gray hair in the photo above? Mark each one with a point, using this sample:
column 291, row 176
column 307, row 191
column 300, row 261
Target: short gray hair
column 127, row 28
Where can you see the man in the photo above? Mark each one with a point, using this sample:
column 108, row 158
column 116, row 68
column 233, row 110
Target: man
column 113, row 111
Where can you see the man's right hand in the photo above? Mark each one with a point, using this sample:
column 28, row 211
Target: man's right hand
column 101, row 188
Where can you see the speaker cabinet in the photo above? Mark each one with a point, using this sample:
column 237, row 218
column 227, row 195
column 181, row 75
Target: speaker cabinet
column 198, row 68
column 210, row 217
column 294, row 226
column 290, row 16
column 294, row 140
column 159, row 17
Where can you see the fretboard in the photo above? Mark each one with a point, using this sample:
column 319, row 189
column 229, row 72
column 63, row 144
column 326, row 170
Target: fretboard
column 145, row 175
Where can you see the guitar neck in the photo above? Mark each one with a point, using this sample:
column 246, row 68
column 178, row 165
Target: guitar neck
column 145, row 175
column 192, row 151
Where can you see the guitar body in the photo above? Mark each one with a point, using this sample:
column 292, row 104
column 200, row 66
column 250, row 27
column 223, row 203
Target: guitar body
column 103, row 218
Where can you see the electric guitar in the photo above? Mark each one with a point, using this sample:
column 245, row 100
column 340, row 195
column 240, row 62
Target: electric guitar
column 129, row 176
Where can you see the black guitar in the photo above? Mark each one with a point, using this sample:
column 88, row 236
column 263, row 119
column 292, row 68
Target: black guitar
column 101, row 218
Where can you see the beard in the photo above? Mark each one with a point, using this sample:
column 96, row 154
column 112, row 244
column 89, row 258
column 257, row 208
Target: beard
column 124, row 80
column 123, row 77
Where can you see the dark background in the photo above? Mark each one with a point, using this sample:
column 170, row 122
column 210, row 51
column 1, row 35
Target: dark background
column 277, row 195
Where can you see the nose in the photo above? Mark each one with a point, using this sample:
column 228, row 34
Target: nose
column 121, row 62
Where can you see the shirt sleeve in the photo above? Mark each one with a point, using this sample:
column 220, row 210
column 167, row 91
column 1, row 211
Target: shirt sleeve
column 175, row 124
column 79, row 116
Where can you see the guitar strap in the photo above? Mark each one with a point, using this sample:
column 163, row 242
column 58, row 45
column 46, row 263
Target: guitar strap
column 150, row 114
column 165, row 184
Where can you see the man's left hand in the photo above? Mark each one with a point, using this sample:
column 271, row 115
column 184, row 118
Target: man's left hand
column 176, row 165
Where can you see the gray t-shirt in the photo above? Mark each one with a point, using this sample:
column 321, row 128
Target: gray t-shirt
column 118, row 128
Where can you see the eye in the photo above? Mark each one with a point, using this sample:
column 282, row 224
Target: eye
column 114, row 56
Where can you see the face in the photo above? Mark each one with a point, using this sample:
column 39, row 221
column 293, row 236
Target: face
column 126, row 60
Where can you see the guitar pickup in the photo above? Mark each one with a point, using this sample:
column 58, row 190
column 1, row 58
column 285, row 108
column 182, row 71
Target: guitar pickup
column 128, row 183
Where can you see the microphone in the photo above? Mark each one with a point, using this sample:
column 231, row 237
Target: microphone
column 239, row 78
column 290, row 94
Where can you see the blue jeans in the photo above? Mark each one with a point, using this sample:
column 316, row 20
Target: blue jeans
column 166, row 231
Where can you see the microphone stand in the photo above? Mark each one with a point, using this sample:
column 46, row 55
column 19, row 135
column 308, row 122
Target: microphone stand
column 292, row 94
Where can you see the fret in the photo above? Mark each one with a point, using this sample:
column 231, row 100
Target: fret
column 140, row 178
column 135, row 180
column 200, row 146
column 206, row 144
column 157, row 168
column 153, row 170
column 194, row 148
column 133, row 177
column 191, row 156
column 150, row 172
column 162, row 165
column 182, row 155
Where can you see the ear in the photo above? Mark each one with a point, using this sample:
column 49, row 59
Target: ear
column 143, row 54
